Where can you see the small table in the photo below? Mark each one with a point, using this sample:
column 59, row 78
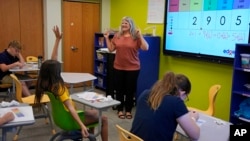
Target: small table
column 27, row 119
column 25, row 68
column 100, row 106
column 211, row 128
column 74, row 78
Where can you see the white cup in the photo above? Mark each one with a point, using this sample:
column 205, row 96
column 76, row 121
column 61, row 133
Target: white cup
column 109, row 97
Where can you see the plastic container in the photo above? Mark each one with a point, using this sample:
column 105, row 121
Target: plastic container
column 245, row 60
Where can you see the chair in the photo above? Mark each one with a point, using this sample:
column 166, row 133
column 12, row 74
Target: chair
column 213, row 91
column 30, row 100
column 125, row 135
column 63, row 119
column 32, row 59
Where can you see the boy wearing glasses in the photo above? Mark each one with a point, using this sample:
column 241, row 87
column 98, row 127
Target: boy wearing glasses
column 11, row 58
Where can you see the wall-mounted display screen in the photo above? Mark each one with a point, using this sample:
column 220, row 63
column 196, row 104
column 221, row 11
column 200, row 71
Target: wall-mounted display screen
column 206, row 28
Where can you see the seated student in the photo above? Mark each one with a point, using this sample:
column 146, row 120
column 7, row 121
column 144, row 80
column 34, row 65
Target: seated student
column 11, row 58
column 159, row 110
column 7, row 118
column 50, row 80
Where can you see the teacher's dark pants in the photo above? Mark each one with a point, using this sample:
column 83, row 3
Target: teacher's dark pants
column 125, row 86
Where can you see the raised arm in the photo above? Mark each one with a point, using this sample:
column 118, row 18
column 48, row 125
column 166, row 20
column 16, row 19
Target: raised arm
column 58, row 35
column 144, row 43
column 108, row 42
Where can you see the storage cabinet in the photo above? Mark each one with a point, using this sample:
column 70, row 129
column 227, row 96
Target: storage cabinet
column 149, row 65
column 241, row 76
column 100, row 62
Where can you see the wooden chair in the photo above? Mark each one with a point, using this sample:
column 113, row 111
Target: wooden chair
column 125, row 135
column 30, row 100
column 212, row 93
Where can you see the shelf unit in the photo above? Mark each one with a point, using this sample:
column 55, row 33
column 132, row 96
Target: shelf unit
column 149, row 65
column 100, row 62
column 240, row 78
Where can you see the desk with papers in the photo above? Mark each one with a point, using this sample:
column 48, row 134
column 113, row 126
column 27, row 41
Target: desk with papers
column 23, row 116
column 99, row 102
column 211, row 128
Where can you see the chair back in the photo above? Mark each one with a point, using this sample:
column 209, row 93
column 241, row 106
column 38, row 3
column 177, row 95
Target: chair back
column 31, row 59
column 18, row 88
column 125, row 135
column 62, row 118
column 213, row 91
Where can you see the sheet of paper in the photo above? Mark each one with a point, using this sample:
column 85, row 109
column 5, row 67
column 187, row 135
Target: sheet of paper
column 199, row 122
column 90, row 96
column 24, row 113
column 155, row 11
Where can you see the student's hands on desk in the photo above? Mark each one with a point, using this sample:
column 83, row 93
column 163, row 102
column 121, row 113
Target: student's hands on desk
column 9, row 116
column 18, row 64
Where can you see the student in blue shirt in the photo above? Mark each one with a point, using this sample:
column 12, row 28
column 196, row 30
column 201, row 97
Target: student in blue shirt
column 160, row 109
column 11, row 58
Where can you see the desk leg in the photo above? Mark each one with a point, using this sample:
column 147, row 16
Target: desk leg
column 13, row 87
column 71, row 89
column 5, row 130
column 3, row 135
column 99, row 123
column 92, row 85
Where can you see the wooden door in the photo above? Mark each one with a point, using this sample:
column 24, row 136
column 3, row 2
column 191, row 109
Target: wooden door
column 80, row 22
column 9, row 22
column 31, row 25
column 22, row 20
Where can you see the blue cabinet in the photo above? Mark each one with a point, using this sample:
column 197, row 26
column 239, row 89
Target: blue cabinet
column 150, row 60
column 241, row 77
column 149, row 72
column 100, row 62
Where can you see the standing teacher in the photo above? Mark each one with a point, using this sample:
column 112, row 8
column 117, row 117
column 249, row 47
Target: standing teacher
column 126, row 42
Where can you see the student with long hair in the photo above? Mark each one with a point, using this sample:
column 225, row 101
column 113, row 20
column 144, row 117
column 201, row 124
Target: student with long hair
column 50, row 80
column 160, row 109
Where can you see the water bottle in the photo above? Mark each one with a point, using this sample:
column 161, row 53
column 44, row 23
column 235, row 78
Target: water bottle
column 40, row 60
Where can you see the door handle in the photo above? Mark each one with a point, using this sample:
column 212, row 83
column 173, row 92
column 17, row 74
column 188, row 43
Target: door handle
column 73, row 48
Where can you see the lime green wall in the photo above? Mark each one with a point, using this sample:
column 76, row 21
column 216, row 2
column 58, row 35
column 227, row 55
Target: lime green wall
column 202, row 74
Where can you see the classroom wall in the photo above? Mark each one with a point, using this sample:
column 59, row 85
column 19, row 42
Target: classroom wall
column 52, row 17
column 202, row 74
